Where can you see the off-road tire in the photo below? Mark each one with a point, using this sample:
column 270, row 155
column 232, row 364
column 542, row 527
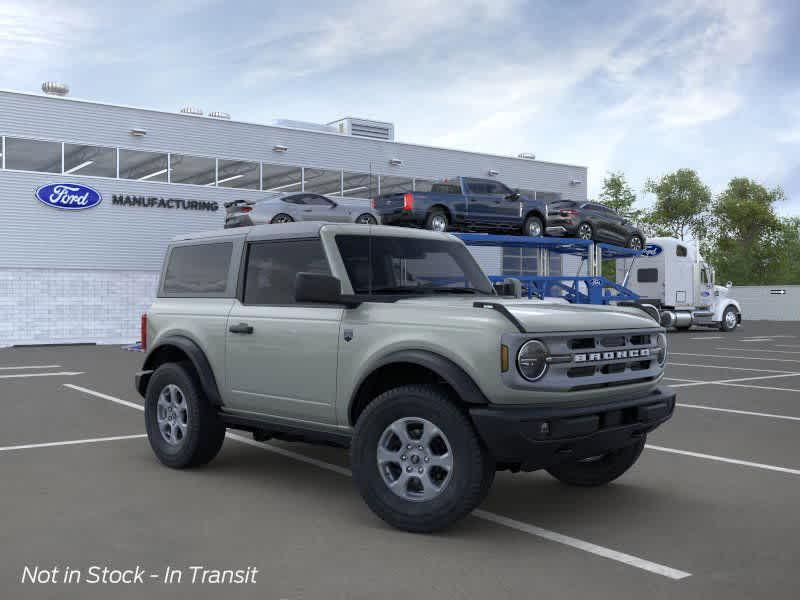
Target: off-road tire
column 601, row 471
column 205, row 430
column 473, row 468
column 531, row 221
column 437, row 213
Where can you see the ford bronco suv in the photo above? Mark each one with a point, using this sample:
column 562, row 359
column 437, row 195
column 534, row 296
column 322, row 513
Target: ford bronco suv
column 394, row 343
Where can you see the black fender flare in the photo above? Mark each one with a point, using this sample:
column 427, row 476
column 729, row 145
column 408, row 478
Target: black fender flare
column 450, row 372
column 195, row 355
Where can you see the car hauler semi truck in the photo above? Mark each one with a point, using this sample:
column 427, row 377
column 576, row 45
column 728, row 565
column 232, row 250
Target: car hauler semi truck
column 672, row 276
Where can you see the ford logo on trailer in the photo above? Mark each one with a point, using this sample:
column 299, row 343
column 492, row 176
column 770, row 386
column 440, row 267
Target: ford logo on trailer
column 68, row 196
column 652, row 250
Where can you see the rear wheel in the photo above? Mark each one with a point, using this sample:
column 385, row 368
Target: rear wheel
column 437, row 220
column 598, row 470
column 730, row 320
column 282, row 218
column 183, row 428
column 366, row 219
column 417, row 460
column 533, row 227
column 585, row 232
column 635, row 242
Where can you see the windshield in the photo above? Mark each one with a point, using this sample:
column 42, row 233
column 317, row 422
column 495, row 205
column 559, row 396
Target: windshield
column 395, row 265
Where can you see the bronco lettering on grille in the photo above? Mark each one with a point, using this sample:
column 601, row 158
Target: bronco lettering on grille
column 615, row 355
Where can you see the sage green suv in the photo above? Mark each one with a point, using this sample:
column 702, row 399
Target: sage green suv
column 394, row 343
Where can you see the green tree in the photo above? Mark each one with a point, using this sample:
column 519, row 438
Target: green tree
column 750, row 244
column 618, row 195
column 681, row 207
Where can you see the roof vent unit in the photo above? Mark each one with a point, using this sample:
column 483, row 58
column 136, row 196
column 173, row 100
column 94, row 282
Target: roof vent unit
column 375, row 130
column 291, row 124
column 527, row 155
column 192, row 110
column 219, row 115
column 54, row 88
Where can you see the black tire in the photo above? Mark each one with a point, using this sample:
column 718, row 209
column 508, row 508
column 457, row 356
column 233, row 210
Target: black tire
column 632, row 242
column 729, row 323
column 366, row 219
column 599, row 471
column 436, row 216
column 205, row 431
column 281, row 218
column 472, row 472
column 533, row 223
column 584, row 226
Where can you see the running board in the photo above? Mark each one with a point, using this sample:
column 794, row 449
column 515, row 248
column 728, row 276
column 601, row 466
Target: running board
column 264, row 429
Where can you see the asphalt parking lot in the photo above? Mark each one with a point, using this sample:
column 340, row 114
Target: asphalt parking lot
column 710, row 510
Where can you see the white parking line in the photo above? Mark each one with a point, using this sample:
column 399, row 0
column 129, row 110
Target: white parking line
column 707, row 337
column 693, row 382
column 674, row 364
column 738, row 412
column 791, row 360
column 761, row 387
column 760, row 350
column 733, row 461
column 553, row 536
column 21, row 375
column 786, row 345
column 30, row 367
column 73, row 442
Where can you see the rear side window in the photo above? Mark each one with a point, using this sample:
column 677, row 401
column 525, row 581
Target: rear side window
column 680, row 251
column 647, row 275
column 272, row 269
column 197, row 270
column 446, row 188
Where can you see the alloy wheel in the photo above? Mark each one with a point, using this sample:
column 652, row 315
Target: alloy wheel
column 635, row 243
column 585, row 231
column 366, row 220
column 172, row 414
column 415, row 459
column 438, row 223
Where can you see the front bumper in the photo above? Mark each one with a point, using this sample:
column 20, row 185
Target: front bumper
column 531, row 438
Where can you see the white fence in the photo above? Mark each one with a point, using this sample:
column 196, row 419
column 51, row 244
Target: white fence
column 768, row 302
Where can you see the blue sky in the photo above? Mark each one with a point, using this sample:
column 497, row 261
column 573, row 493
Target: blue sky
column 642, row 87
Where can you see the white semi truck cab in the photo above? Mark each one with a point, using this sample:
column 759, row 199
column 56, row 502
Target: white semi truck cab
column 672, row 276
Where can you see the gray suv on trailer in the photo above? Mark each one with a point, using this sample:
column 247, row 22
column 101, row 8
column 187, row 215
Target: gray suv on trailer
column 392, row 342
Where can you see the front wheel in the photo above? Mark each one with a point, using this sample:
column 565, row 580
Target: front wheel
column 183, row 427
column 598, row 470
column 533, row 227
column 730, row 320
column 417, row 460
column 585, row 231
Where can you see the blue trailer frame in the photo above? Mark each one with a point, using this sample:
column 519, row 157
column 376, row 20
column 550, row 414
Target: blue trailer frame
column 577, row 289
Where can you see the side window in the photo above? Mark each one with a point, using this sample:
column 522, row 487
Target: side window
column 647, row 275
column 299, row 199
column 318, row 200
column 196, row 270
column 272, row 269
column 476, row 187
column 680, row 251
column 497, row 188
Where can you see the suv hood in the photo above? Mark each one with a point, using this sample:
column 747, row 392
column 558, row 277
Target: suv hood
column 538, row 316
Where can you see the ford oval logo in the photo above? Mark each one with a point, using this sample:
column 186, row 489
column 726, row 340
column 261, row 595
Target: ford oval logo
column 652, row 250
column 68, row 196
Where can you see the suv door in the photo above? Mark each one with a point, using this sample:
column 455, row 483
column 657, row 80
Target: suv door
column 281, row 356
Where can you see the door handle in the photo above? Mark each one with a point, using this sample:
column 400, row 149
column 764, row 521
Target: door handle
column 307, row 210
column 241, row 328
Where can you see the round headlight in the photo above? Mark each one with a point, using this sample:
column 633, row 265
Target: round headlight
column 532, row 360
column 661, row 348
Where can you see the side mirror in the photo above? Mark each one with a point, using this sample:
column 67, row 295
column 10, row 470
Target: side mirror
column 515, row 195
column 319, row 288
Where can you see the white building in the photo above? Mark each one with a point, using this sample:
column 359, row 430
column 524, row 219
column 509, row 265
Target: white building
column 86, row 275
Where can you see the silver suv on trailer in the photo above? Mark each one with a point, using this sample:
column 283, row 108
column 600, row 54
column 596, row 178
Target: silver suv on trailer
column 392, row 342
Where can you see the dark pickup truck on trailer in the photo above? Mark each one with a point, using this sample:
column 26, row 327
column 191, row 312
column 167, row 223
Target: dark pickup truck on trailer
column 465, row 203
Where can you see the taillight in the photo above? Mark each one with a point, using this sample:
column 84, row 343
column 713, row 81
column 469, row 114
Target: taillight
column 374, row 203
column 246, row 209
column 569, row 211
column 144, row 332
column 408, row 201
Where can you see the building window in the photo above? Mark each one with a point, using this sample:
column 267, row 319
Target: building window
column 238, row 174
column 195, row 170
column 396, row 185
column 323, row 181
column 33, row 155
column 280, row 178
column 96, row 161
column 144, row 166
column 360, row 185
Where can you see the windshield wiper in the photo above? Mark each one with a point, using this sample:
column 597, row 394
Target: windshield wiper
column 456, row 290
